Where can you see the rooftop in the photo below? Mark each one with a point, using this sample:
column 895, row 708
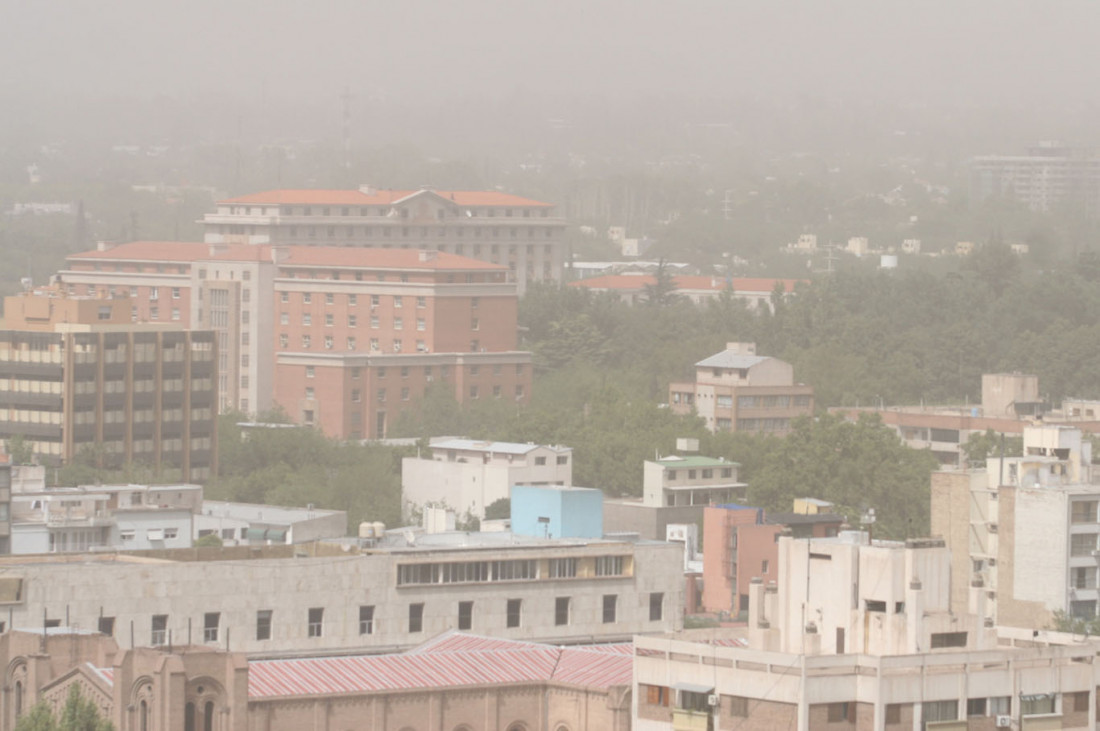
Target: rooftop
column 731, row 359
column 472, row 445
column 379, row 197
column 185, row 252
column 629, row 282
column 676, row 462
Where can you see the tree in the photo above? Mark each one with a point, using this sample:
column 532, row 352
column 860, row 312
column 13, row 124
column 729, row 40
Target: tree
column 20, row 451
column 663, row 290
column 78, row 714
column 498, row 509
column 210, row 540
column 981, row 446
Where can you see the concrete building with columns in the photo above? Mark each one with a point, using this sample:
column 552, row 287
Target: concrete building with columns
column 861, row 635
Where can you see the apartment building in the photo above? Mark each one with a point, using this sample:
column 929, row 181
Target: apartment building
column 330, row 597
column 738, row 390
column 76, row 373
column 861, row 635
column 741, row 543
column 1047, row 178
column 524, row 236
column 1027, row 528
column 468, row 475
column 341, row 338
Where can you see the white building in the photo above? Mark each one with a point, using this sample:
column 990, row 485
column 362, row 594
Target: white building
column 1027, row 527
column 467, row 476
column 858, row 245
column 861, row 636
column 242, row 524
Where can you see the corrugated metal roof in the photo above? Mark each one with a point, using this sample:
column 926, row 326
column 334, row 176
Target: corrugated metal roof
column 473, row 445
column 676, row 462
column 450, row 660
column 729, row 359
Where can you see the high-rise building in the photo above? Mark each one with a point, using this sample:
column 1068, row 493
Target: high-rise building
column 76, row 373
column 1047, row 178
column 521, row 234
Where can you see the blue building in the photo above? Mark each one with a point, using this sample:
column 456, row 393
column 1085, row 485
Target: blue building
column 554, row 511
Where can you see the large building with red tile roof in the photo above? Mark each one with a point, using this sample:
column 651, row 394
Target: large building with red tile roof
column 525, row 236
column 453, row 681
column 632, row 288
column 344, row 338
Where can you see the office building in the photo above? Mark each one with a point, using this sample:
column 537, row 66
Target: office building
column 77, row 374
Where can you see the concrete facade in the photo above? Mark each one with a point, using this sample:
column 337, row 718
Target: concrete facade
column 469, row 475
column 310, row 599
column 737, row 390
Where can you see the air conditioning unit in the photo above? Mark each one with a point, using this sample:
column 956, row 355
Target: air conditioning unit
column 1004, row 721
column 712, row 699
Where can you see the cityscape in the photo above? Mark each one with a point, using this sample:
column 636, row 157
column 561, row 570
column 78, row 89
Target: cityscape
column 550, row 366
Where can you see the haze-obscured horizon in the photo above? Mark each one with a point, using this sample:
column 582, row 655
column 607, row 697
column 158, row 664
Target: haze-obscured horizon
column 464, row 73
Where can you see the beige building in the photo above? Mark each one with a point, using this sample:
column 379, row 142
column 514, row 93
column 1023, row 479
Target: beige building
column 324, row 598
column 525, row 235
column 738, row 390
column 859, row 635
column 76, row 374
column 1027, row 528
column 453, row 681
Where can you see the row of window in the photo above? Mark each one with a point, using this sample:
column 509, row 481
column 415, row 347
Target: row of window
column 509, row 570
column 707, row 474
column 352, row 232
column 352, row 321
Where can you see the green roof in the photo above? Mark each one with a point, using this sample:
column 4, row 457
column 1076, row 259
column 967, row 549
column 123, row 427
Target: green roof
column 675, row 463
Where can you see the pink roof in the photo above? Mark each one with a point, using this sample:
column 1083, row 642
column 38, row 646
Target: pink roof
column 638, row 282
column 378, row 198
column 318, row 256
column 450, row 660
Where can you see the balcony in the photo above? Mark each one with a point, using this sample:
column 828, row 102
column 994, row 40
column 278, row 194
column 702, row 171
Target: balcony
column 685, row 720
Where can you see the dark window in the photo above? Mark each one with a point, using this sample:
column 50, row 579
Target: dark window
column 975, row 707
column 948, row 639
column 263, row 624
column 416, row 617
column 316, row 621
column 656, row 606
column 893, row 714
column 366, row 620
column 515, row 606
column 610, row 601
column 739, row 706
column 465, row 615
column 210, row 626
column 160, row 629
column 839, row 712
column 561, row 610
column 107, row 625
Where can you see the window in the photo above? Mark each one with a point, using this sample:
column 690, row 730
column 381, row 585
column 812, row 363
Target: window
column 398, row 302
column 330, row 298
column 366, row 619
column 307, row 319
column 284, row 318
column 515, row 606
column 330, row 319
column 106, row 626
column 933, row 711
column 316, row 622
column 656, row 606
column 893, row 714
column 563, row 460
column 1082, row 544
column 310, row 371
column 421, row 324
column 475, row 324
column 561, row 611
column 609, row 566
column 1000, row 706
column 307, row 298
column 421, row 302
column 352, row 321
column 975, row 707
column 540, row 461
column 465, row 615
column 210, row 626
column 656, row 695
column 404, row 394
column 416, row 617
column 1084, row 511
column 310, row 394
column 610, row 601
column 473, row 392
column 842, row 712
column 356, row 395
column 284, row 297
column 1040, row 703
column 160, row 629
column 739, row 706
column 306, row 341
column 381, row 395
column 563, row 568
column 948, row 639
column 263, row 624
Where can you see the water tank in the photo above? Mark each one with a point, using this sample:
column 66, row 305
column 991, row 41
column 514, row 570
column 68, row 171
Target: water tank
column 366, row 529
column 379, row 529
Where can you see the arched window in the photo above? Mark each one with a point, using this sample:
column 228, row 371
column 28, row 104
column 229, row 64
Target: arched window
column 143, row 716
column 518, row 726
column 208, row 717
column 18, row 698
column 189, row 717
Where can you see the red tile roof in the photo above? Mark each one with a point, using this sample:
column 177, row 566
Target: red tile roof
column 638, row 282
column 378, row 198
column 306, row 256
column 450, row 660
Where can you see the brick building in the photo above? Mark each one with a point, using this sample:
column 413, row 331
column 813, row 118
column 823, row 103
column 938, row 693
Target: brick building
column 341, row 338
column 76, row 372
column 522, row 235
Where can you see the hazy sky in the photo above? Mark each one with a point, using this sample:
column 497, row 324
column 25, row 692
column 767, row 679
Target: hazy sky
column 927, row 52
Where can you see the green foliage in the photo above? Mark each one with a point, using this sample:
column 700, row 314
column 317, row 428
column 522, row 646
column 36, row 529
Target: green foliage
column 296, row 466
column 210, row 540
column 981, row 447
column 78, row 714
column 19, row 450
column 1064, row 622
column 499, row 509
